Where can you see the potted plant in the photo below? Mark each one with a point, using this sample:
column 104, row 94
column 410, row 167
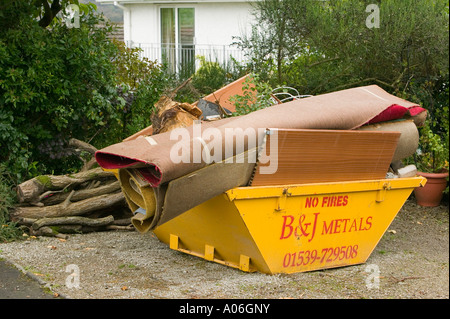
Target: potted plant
column 432, row 163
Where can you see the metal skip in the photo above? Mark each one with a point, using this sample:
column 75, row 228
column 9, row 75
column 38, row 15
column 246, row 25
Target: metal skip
column 289, row 229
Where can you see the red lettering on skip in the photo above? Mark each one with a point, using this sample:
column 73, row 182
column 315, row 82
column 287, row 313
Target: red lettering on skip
column 287, row 225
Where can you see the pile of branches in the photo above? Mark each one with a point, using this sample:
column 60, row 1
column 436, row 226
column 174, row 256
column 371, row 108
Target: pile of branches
column 57, row 205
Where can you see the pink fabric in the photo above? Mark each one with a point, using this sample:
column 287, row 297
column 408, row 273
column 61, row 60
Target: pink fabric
column 395, row 112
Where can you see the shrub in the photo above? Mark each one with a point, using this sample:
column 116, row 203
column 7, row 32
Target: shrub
column 141, row 83
column 55, row 82
column 209, row 77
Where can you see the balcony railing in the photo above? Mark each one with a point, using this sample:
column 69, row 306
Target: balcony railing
column 181, row 58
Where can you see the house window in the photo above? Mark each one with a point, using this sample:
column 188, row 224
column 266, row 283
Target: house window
column 177, row 39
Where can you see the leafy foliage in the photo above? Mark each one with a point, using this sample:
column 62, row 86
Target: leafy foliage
column 209, row 77
column 52, row 83
column 256, row 95
column 141, row 83
column 433, row 152
column 323, row 46
column 60, row 82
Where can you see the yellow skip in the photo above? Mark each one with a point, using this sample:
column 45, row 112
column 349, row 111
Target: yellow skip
column 290, row 228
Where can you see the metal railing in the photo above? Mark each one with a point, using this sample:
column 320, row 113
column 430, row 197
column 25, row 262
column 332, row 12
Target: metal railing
column 181, row 58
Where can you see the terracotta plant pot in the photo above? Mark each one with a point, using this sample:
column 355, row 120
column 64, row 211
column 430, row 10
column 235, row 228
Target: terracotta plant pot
column 431, row 194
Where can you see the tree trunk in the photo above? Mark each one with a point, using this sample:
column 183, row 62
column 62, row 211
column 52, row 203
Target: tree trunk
column 73, row 220
column 30, row 190
column 82, row 194
column 52, row 205
column 83, row 146
column 47, row 231
column 70, row 209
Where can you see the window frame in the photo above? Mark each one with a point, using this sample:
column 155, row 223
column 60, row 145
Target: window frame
column 177, row 43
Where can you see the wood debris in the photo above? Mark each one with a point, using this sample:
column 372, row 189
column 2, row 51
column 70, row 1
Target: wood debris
column 57, row 205
column 170, row 115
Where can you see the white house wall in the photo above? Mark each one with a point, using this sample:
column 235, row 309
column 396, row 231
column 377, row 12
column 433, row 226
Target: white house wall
column 144, row 24
column 215, row 23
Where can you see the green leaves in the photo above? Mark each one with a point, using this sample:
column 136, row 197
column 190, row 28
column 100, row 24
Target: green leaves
column 256, row 95
column 58, row 81
column 209, row 77
column 292, row 38
column 140, row 85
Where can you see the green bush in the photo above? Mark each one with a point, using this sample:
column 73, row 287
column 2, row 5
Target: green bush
column 141, row 83
column 55, row 83
column 323, row 46
column 209, row 77
column 433, row 151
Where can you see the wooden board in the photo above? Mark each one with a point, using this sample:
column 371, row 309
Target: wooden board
column 222, row 95
column 315, row 156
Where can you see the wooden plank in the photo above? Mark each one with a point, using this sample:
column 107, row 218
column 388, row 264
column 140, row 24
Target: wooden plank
column 222, row 95
column 315, row 156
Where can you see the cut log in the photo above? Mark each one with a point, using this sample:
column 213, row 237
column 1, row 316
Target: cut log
column 73, row 220
column 170, row 115
column 118, row 227
column 26, row 221
column 47, row 231
column 30, row 190
column 89, row 165
column 60, row 231
column 70, row 209
column 82, row 194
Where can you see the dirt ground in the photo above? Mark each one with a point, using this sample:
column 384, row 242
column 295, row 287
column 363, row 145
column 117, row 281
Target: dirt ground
column 410, row 261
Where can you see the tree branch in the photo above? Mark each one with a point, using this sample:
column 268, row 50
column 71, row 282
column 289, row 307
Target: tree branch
column 49, row 12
